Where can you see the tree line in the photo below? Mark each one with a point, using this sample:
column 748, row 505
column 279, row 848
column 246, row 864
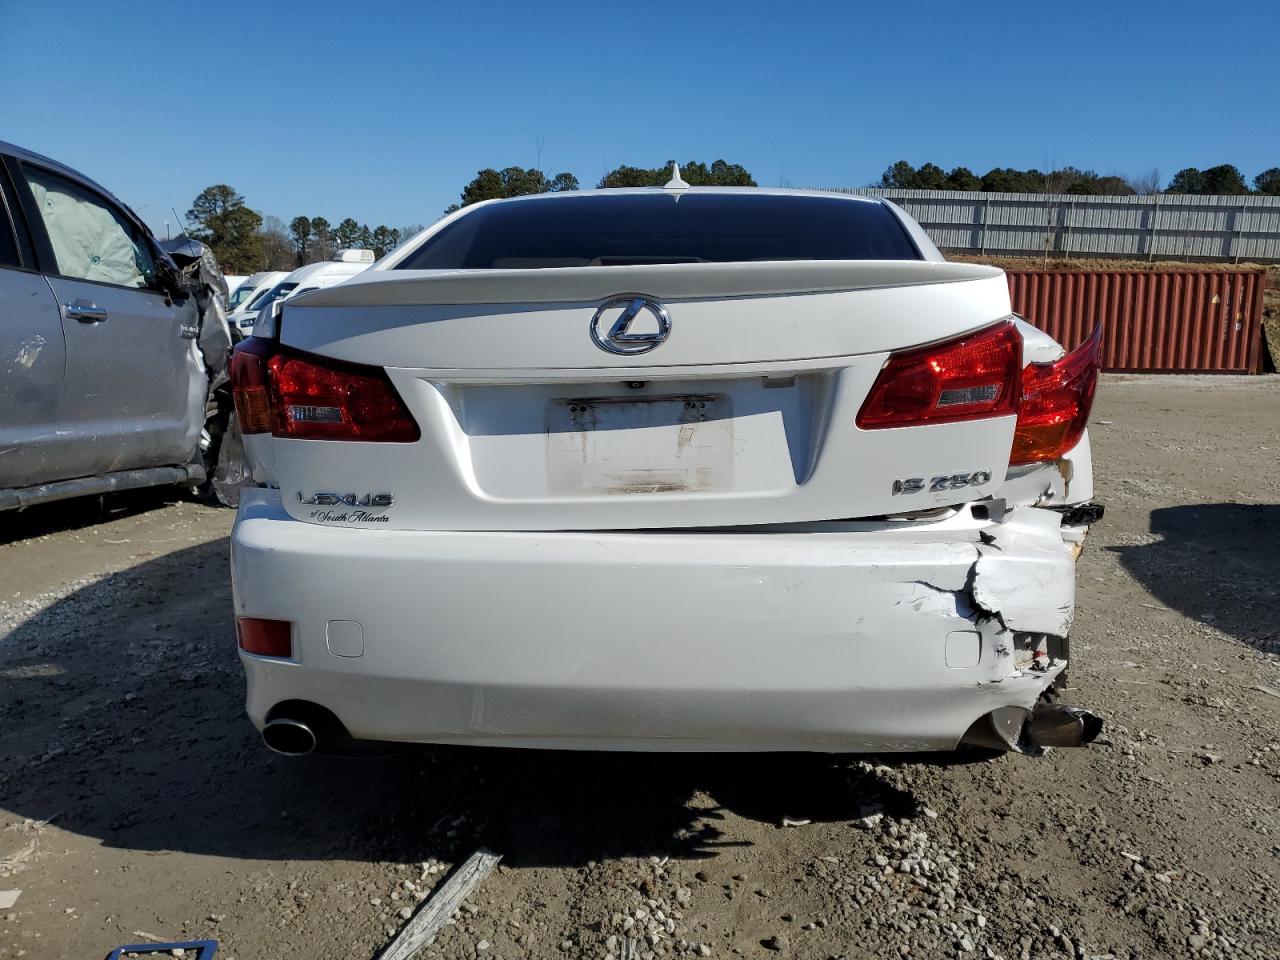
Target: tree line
column 1222, row 179
column 491, row 184
column 244, row 241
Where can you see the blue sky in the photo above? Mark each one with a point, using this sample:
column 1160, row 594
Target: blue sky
column 383, row 111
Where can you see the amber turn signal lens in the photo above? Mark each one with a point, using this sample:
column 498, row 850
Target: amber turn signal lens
column 249, row 385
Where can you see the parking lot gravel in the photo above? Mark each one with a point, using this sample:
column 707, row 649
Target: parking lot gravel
column 137, row 803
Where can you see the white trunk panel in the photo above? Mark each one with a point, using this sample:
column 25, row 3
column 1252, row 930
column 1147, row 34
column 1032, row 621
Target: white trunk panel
column 537, row 336
column 745, row 415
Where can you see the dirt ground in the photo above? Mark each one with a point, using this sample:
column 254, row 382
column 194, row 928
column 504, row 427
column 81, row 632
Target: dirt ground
column 135, row 799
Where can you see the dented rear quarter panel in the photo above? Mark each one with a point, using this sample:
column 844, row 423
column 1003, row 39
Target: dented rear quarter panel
column 1062, row 482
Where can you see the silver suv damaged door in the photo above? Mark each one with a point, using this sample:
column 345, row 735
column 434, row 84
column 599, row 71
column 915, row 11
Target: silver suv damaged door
column 32, row 358
column 134, row 389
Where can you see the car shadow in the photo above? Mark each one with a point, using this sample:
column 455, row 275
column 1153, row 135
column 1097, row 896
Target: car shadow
column 1218, row 563
column 122, row 718
column 78, row 512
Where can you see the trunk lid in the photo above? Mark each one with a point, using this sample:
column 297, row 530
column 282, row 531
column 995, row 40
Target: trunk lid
column 744, row 414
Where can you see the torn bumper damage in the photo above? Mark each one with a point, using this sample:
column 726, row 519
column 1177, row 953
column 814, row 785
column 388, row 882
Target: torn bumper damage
column 892, row 635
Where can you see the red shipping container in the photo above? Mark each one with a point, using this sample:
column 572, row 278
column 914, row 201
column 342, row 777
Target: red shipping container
column 1154, row 320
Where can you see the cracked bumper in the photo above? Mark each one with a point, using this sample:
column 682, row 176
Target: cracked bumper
column 831, row 637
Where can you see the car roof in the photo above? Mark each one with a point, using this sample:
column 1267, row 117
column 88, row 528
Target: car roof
column 664, row 191
column 22, row 153
column 322, row 268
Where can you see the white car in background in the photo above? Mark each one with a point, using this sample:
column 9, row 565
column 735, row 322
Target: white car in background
column 240, row 307
column 663, row 469
column 246, row 288
column 234, row 283
column 314, row 276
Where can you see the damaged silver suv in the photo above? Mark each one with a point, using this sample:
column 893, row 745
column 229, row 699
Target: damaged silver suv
column 112, row 349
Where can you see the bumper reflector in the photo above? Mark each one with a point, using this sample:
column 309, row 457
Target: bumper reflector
column 265, row 638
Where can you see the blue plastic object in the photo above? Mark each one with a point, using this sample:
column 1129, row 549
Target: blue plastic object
column 207, row 949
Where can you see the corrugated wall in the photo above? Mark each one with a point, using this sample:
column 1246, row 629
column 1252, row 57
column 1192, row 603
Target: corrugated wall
column 1160, row 227
column 1166, row 320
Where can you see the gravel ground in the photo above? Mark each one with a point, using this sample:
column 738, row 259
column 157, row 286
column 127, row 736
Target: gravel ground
column 135, row 800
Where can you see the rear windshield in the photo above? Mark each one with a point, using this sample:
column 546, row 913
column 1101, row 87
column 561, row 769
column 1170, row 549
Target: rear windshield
column 603, row 230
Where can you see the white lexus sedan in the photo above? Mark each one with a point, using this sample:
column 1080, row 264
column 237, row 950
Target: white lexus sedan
column 663, row 469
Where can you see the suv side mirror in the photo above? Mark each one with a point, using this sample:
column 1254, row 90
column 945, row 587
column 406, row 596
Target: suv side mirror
column 168, row 279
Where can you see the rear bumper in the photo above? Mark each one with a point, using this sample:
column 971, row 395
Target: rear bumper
column 831, row 637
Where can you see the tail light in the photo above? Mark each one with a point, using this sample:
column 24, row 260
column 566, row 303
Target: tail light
column 971, row 377
column 304, row 397
column 265, row 638
column 249, row 385
column 1056, row 400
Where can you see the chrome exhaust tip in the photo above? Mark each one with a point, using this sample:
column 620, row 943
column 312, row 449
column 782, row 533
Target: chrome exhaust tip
column 288, row 737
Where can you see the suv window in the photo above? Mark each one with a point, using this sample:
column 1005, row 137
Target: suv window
column 90, row 239
column 632, row 228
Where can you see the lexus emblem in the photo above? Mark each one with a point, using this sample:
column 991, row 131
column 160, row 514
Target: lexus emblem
column 623, row 311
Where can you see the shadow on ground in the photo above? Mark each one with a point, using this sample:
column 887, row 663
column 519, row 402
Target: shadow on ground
column 121, row 717
column 78, row 512
column 1218, row 563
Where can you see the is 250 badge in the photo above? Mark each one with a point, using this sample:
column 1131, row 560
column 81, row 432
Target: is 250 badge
column 941, row 483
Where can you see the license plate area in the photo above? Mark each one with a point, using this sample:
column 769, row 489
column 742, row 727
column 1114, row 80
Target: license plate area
column 614, row 446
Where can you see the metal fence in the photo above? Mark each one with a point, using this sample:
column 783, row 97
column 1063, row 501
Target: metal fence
column 1159, row 227
column 1203, row 320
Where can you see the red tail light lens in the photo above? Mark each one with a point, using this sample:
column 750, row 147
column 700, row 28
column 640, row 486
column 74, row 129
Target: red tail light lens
column 249, row 385
column 969, row 378
column 1056, row 400
column 314, row 399
column 266, row 638
column 305, row 397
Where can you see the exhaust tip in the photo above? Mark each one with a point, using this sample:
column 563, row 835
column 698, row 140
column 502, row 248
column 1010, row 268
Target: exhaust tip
column 1048, row 725
column 1062, row 725
column 295, row 728
column 291, row 738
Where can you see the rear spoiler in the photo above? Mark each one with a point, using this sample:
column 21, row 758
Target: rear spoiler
column 674, row 281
